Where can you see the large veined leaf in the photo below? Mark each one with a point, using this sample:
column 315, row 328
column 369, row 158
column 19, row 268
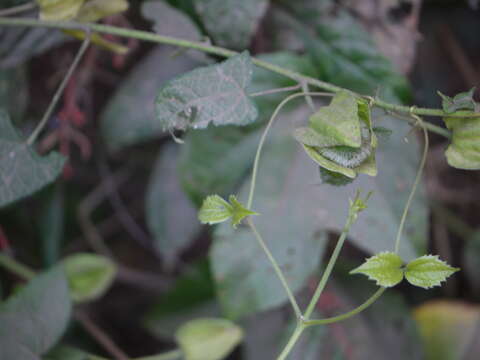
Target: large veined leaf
column 22, row 171
column 171, row 217
column 34, row 319
column 231, row 23
column 214, row 94
column 129, row 117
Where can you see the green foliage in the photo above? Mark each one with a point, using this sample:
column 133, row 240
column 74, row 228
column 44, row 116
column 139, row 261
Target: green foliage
column 386, row 269
column 340, row 137
column 171, row 217
column 462, row 101
column 213, row 94
column 208, row 339
column 14, row 92
column 428, row 271
column 89, row 276
column 464, row 150
column 34, row 319
column 215, row 210
column 55, row 10
column 231, row 23
column 22, row 171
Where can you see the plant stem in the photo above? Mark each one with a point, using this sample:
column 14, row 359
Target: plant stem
column 349, row 314
column 275, row 91
column 291, row 342
column 18, row 9
column 15, row 267
column 277, row 269
column 415, row 183
column 264, row 136
column 330, row 265
column 216, row 50
column 59, row 91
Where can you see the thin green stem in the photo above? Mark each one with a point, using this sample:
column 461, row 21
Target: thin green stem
column 15, row 267
column 291, row 342
column 264, row 136
column 59, row 91
column 275, row 91
column 328, row 270
column 276, row 267
column 349, row 314
column 415, row 183
column 430, row 127
column 215, row 50
column 18, row 9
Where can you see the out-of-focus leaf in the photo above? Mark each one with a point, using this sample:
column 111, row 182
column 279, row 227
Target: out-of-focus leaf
column 447, row 328
column 462, row 101
column 22, row 171
column 208, row 338
column 428, row 271
column 171, row 217
column 214, row 94
column 214, row 160
column 245, row 280
column 56, row 10
column 69, row 353
column 384, row 268
column 192, row 296
column 89, row 275
column 35, row 318
column 343, row 51
column 129, row 117
column 169, row 21
column 14, row 92
column 464, row 150
column 231, row 23
column 19, row 44
column 94, row 10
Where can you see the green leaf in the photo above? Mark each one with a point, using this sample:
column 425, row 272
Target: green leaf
column 214, row 160
column 69, row 353
column 239, row 212
column 464, row 150
column 339, row 121
column 208, row 339
column 14, row 92
column 428, row 271
column 215, row 210
column 333, row 178
column 129, row 116
column 170, row 215
column 169, row 21
column 384, row 268
column 448, row 329
column 58, row 10
column 89, row 276
column 22, row 171
column 94, row 10
column 35, row 318
column 231, row 23
column 290, row 225
column 213, row 94
column 462, row 101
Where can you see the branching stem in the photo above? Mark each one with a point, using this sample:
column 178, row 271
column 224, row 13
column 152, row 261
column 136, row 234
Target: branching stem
column 216, row 50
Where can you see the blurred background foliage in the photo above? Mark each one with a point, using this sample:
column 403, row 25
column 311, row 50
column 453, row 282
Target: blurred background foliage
column 129, row 192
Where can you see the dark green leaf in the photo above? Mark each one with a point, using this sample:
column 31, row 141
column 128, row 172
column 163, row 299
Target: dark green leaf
column 333, row 178
column 89, row 275
column 169, row 21
column 14, row 92
column 462, row 101
column 171, row 217
column 22, row 171
column 129, row 116
column 208, row 338
column 231, row 23
column 69, row 353
column 244, row 278
column 35, row 318
column 213, row 94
